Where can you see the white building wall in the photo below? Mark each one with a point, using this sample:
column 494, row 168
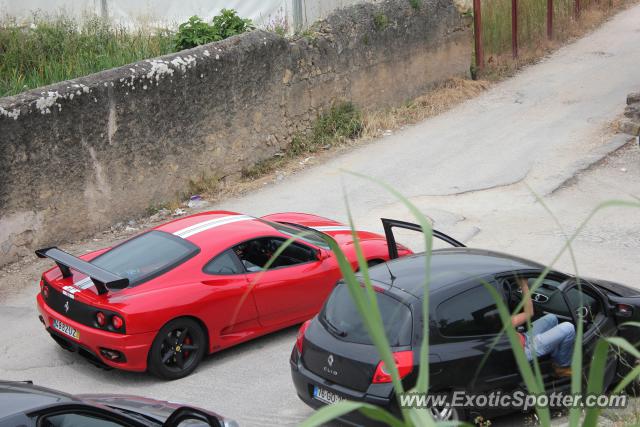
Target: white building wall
column 292, row 14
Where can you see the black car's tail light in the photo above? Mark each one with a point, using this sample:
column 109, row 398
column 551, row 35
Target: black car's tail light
column 404, row 362
column 116, row 321
column 300, row 337
column 101, row 319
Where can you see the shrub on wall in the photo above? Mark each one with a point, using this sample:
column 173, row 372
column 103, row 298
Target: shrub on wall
column 196, row 32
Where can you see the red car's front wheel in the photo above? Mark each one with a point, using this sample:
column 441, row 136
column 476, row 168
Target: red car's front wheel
column 177, row 349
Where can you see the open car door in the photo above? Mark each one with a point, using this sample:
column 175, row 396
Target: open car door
column 390, row 224
column 590, row 306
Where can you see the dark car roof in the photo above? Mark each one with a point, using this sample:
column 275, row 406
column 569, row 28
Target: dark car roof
column 17, row 397
column 448, row 266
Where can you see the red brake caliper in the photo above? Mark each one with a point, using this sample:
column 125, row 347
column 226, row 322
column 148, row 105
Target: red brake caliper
column 187, row 340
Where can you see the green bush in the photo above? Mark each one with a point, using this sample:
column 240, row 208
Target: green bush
column 196, row 32
column 228, row 24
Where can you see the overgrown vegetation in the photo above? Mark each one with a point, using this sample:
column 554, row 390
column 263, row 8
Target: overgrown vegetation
column 196, row 32
column 203, row 184
column 56, row 49
column 380, row 21
column 439, row 99
column 415, row 4
column 342, row 122
column 532, row 26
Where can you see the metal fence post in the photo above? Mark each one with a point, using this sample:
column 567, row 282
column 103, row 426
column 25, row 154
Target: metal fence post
column 514, row 28
column 549, row 19
column 477, row 32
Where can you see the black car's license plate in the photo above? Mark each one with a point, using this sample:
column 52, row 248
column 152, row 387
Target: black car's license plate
column 326, row 396
column 66, row 329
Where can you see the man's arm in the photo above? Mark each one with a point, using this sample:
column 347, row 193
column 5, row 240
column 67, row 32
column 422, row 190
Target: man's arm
column 521, row 318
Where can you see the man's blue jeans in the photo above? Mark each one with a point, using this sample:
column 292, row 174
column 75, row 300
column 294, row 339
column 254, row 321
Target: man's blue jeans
column 548, row 337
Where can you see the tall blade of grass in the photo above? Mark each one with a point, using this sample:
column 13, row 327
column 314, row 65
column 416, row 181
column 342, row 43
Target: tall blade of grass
column 623, row 344
column 596, row 379
column 422, row 417
column 627, row 379
column 597, row 372
column 374, row 310
column 422, row 383
column 329, row 413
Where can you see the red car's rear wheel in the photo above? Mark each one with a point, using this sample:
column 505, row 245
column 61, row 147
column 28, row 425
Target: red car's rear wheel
column 177, row 349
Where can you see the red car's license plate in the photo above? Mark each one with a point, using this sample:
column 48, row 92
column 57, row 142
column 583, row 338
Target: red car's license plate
column 66, row 329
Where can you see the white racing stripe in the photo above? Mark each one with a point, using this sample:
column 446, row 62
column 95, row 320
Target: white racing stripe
column 212, row 223
column 69, row 291
column 84, row 283
column 332, row 228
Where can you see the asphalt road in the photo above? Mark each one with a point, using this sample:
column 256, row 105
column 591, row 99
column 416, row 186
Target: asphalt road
column 470, row 169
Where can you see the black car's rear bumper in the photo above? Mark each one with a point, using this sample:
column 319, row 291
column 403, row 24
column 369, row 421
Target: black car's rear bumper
column 304, row 381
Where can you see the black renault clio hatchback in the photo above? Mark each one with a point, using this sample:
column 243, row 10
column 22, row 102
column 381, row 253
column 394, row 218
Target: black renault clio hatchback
column 334, row 358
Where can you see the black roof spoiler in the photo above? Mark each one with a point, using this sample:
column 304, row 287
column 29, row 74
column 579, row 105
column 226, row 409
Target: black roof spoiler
column 103, row 279
column 388, row 225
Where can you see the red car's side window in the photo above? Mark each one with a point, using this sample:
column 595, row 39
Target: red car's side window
column 224, row 264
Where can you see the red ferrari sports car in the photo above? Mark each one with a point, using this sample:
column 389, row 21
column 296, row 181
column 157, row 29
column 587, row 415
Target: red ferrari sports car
column 165, row 298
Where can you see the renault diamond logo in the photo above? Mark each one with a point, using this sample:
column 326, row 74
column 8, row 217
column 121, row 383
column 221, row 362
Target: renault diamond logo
column 66, row 306
column 330, row 360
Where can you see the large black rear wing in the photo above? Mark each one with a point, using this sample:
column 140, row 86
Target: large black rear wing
column 103, row 279
column 389, row 224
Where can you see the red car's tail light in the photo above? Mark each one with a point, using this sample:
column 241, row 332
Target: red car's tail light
column 45, row 291
column 117, row 322
column 101, row 319
column 404, row 362
column 300, row 337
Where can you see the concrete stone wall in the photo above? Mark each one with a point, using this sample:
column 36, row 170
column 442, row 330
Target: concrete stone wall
column 78, row 156
column 631, row 122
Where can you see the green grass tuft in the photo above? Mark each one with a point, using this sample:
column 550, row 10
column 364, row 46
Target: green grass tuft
column 57, row 49
column 380, row 21
column 342, row 122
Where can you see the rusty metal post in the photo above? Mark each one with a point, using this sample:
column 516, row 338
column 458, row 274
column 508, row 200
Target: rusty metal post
column 549, row 19
column 576, row 11
column 477, row 32
column 514, row 28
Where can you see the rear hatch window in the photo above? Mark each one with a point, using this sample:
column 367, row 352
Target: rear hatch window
column 146, row 256
column 339, row 348
column 342, row 319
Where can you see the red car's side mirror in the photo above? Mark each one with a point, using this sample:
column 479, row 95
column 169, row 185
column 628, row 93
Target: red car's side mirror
column 322, row 254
